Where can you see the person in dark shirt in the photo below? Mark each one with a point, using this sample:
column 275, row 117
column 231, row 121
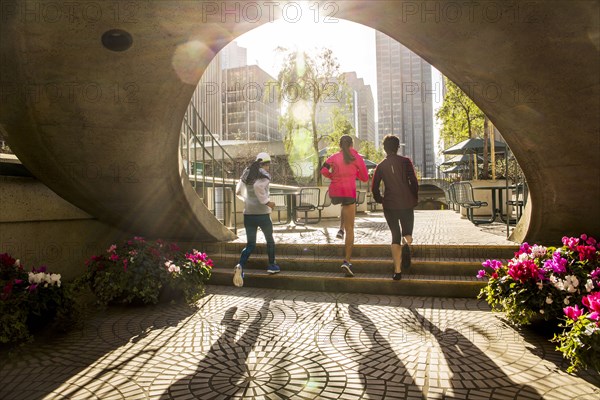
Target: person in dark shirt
column 399, row 199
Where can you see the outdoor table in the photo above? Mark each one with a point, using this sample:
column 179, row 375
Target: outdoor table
column 497, row 191
column 290, row 202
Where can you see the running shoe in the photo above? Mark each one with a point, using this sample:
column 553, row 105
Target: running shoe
column 238, row 276
column 347, row 269
column 273, row 269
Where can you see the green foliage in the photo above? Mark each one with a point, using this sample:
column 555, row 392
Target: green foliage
column 139, row 271
column 580, row 343
column 30, row 301
column 549, row 283
column 461, row 118
column 338, row 126
column 303, row 82
column 371, row 153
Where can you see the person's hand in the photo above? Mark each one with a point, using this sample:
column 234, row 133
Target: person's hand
column 271, row 204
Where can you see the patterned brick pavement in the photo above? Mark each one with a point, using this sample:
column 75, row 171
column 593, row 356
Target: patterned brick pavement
column 267, row 344
column 431, row 227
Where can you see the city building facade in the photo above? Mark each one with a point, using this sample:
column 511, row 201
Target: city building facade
column 405, row 102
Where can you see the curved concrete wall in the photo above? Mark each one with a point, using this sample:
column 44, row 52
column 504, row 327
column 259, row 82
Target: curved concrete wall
column 109, row 142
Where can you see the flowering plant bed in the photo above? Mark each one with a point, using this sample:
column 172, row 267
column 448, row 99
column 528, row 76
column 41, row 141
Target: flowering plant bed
column 140, row 271
column 30, row 301
column 549, row 283
column 580, row 340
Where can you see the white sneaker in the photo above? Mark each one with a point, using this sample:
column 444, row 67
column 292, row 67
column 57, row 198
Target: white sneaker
column 238, row 276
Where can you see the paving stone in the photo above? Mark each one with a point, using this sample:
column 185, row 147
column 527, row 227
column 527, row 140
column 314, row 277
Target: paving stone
column 300, row 345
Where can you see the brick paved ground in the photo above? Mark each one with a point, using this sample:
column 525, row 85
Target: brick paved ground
column 431, row 227
column 271, row 344
column 266, row 344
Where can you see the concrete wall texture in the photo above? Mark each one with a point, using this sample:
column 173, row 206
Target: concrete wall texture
column 101, row 127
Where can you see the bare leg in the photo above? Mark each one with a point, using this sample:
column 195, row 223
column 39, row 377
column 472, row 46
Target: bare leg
column 397, row 256
column 348, row 215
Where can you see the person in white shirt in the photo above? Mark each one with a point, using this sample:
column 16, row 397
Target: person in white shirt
column 253, row 189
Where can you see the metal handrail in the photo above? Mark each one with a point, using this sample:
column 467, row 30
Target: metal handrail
column 194, row 133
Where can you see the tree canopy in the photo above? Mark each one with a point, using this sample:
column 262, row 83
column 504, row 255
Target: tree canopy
column 460, row 117
column 303, row 82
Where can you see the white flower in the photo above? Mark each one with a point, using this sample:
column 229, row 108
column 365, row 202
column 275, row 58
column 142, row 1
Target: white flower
column 17, row 263
column 174, row 268
column 523, row 257
column 540, row 285
column 558, row 283
column 571, row 283
column 538, row 251
column 589, row 285
column 567, row 301
column 549, row 300
column 541, row 311
column 55, row 279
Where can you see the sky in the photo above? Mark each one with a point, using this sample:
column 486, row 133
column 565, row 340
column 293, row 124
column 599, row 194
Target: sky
column 353, row 44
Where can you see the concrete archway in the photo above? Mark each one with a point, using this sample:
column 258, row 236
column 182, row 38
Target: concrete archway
column 101, row 127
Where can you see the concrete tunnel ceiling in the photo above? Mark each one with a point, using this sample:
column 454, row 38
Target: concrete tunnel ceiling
column 110, row 144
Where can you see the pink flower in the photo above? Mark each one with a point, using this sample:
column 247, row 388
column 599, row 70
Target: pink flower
column 125, row 264
column 595, row 316
column 495, row 275
column 523, row 271
column 570, row 242
column 111, row 249
column 557, row 264
column 481, row 274
column 493, row 264
column 114, row 257
column 586, row 252
column 592, row 301
column 573, row 312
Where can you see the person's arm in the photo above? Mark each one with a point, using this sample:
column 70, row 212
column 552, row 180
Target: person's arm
column 326, row 168
column 375, row 185
column 413, row 182
column 363, row 174
column 261, row 188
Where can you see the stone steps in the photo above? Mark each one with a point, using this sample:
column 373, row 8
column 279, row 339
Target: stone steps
column 437, row 271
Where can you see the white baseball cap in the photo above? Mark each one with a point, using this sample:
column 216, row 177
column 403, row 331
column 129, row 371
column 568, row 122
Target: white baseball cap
column 265, row 157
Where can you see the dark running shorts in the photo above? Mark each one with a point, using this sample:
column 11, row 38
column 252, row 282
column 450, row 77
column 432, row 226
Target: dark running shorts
column 345, row 201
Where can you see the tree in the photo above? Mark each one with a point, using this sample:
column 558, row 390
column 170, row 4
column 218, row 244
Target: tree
column 461, row 118
column 368, row 150
column 303, row 82
column 338, row 126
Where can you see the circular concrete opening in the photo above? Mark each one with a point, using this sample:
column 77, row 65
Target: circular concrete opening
column 117, row 40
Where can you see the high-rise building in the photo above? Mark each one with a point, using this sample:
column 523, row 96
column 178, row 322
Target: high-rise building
column 355, row 101
column 233, row 56
column 405, row 101
column 364, row 107
column 250, row 108
column 207, row 98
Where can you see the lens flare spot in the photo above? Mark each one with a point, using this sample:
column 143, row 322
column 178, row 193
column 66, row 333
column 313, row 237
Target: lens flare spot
column 302, row 156
column 190, row 60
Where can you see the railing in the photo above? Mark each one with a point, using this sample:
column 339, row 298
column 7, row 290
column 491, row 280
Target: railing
column 211, row 175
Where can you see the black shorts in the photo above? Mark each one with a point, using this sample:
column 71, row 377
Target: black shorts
column 345, row 201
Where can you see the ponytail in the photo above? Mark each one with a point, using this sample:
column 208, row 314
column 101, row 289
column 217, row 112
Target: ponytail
column 253, row 173
column 345, row 144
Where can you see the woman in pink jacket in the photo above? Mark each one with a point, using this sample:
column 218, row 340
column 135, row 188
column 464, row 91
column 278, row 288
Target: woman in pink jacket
column 343, row 168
